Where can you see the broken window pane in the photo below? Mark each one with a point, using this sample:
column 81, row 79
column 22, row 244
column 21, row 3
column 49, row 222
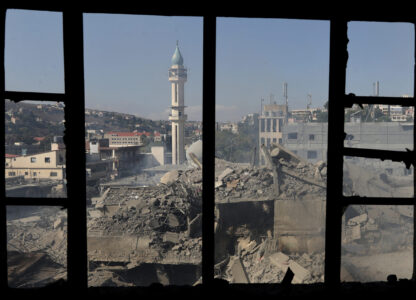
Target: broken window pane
column 380, row 59
column 384, row 127
column 144, row 149
column 34, row 51
column 368, row 177
column 35, row 151
column 377, row 241
column 36, row 245
column 270, row 201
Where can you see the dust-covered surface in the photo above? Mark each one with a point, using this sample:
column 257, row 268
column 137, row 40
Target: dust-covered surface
column 370, row 180
column 36, row 245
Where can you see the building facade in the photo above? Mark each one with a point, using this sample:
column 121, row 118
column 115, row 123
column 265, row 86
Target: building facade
column 124, row 139
column 310, row 140
column 271, row 123
column 48, row 165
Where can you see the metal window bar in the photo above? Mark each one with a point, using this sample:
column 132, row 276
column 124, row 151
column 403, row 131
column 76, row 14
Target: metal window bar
column 336, row 202
column 74, row 90
column 75, row 151
column 208, row 148
column 3, row 228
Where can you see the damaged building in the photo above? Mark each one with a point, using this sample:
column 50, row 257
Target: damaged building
column 267, row 219
column 270, row 222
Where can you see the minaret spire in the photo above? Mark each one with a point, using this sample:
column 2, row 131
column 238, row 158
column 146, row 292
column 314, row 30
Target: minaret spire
column 177, row 77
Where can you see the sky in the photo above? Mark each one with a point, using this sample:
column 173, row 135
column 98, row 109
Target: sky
column 126, row 61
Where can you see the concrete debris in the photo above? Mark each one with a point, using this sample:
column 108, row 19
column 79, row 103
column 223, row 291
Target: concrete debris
column 301, row 274
column 267, row 220
column 33, row 269
column 239, row 182
column 280, row 260
column 358, row 220
column 238, row 271
column 225, row 173
column 170, row 177
column 377, row 229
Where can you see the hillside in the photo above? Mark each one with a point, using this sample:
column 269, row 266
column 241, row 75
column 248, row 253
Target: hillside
column 25, row 121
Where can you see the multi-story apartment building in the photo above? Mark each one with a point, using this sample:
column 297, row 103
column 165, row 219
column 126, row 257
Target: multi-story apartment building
column 124, row 139
column 271, row 122
column 48, row 165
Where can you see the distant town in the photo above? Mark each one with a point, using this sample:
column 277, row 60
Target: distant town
column 119, row 145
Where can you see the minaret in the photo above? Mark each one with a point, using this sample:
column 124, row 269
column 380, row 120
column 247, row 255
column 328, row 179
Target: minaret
column 177, row 77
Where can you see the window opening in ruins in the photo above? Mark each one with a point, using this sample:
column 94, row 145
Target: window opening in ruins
column 144, row 149
column 312, row 154
column 292, row 135
column 34, row 143
column 269, row 200
column 381, row 59
column 36, row 245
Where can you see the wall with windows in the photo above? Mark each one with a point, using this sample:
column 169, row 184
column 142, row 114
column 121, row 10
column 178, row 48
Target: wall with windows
column 48, row 165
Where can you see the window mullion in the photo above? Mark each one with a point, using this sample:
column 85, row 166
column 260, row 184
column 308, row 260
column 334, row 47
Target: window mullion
column 337, row 77
column 208, row 147
column 75, row 148
column 3, row 226
column 20, row 96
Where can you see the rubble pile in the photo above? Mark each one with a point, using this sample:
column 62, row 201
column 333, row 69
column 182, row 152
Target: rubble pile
column 237, row 182
column 147, row 210
column 272, row 267
column 250, row 225
column 374, row 229
column 43, row 232
column 372, row 182
column 36, row 247
column 33, row 269
column 157, row 225
column 133, row 229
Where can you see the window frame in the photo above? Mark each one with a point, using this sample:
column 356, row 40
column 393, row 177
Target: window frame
column 75, row 203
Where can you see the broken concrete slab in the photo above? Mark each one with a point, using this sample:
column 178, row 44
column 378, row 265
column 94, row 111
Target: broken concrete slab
column 280, row 260
column 173, row 220
column 95, row 213
column 171, row 237
column 58, row 224
column 239, row 272
column 301, row 274
column 361, row 219
column 170, row 177
column 219, row 184
column 225, row 173
column 143, row 242
column 352, row 233
column 232, row 184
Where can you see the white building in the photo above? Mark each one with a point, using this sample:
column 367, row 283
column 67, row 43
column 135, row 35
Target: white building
column 177, row 77
column 48, row 165
column 124, row 139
